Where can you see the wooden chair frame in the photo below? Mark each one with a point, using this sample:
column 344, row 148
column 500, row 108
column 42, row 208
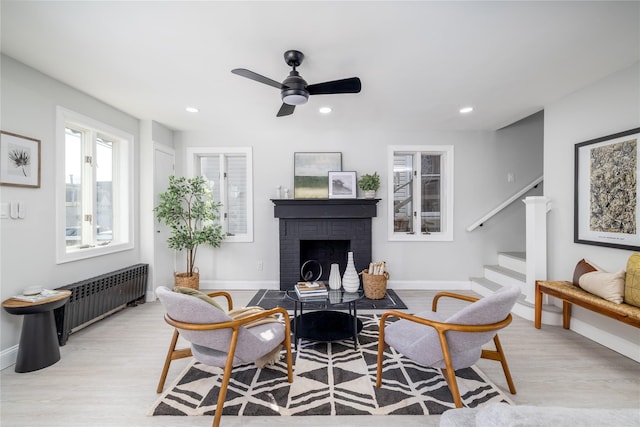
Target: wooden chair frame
column 234, row 325
column 441, row 328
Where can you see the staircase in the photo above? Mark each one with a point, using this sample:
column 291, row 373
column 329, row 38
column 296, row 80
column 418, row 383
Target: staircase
column 511, row 270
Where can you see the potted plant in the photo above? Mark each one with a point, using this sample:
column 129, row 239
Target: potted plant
column 189, row 210
column 369, row 184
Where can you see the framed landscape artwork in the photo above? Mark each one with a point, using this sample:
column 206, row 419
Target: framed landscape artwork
column 19, row 160
column 342, row 185
column 606, row 203
column 310, row 174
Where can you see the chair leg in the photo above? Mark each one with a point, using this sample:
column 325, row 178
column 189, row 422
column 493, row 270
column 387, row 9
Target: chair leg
column 381, row 347
column 172, row 354
column 287, row 346
column 450, row 376
column 505, row 366
column 449, row 373
column 225, row 378
column 498, row 355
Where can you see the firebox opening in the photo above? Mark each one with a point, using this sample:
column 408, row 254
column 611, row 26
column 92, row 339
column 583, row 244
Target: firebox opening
column 325, row 252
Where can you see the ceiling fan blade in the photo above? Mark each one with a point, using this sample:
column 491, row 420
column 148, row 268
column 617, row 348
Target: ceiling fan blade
column 286, row 110
column 350, row 85
column 257, row 77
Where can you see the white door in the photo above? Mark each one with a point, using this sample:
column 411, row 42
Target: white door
column 164, row 259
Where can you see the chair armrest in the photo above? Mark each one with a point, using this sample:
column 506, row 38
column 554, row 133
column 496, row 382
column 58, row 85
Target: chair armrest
column 264, row 314
column 233, row 324
column 443, row 327
column 223, row 294
column 434, row 304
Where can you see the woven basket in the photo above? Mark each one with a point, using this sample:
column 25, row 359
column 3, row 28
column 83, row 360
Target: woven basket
column 375, row 285
column 185, row 281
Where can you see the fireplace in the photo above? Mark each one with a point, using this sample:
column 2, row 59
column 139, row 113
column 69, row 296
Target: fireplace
column 322, row 231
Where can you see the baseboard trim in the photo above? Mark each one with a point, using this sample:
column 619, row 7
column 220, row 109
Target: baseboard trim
column 240, row 285
column 429, row 285
column 607, row 339
column 8, row 357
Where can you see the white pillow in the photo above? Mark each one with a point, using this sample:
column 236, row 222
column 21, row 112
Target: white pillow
column 609, row 286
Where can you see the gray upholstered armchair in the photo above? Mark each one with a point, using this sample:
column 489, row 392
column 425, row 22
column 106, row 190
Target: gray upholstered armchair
column 453, row 342
column 218, row 340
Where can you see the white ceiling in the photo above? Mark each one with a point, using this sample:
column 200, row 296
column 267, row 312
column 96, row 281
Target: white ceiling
column 419, row 62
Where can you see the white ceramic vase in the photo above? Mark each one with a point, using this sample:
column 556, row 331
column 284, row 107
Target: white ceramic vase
column 350, row 279
column 334, row 277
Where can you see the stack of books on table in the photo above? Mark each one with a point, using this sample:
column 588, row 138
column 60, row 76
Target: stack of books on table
column 312, row 290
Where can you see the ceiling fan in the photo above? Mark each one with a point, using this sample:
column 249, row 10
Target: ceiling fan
column 294, row 89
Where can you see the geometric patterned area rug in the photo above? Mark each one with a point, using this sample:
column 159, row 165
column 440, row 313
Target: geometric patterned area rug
column 329, row 379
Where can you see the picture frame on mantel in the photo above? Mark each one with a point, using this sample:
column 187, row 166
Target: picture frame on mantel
column 606, row 193
column 311, row 171
column 342, row 185
column 19, row 160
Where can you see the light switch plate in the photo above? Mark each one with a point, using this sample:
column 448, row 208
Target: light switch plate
column 4, row 210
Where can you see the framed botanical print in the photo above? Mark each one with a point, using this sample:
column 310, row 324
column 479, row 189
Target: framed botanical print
column 19, row 160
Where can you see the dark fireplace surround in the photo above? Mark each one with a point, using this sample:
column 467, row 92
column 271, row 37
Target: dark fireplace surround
column 323, row 230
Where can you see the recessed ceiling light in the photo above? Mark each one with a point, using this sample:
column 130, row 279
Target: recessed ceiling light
column 466, row 110
column 192, row 109
column 325, row 110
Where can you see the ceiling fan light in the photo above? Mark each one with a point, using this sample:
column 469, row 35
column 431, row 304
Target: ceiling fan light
column 295, row 98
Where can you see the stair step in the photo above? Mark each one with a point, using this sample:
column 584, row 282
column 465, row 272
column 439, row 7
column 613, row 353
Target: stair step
column 504, row 276
column 516, row 261
column 487, row 286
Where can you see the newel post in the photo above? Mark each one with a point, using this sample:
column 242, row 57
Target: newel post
column 536, row 214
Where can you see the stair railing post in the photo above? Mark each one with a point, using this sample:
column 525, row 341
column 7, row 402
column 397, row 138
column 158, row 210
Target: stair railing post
column 536, row 246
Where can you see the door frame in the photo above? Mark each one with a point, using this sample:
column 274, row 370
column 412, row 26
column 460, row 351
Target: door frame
column 157, row 245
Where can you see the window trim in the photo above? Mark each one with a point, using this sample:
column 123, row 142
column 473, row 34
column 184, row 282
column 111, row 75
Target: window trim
column 193, row 155
column 124, row 208
column 447, row 174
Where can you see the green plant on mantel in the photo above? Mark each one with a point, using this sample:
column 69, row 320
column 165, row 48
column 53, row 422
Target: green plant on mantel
column 189, row 210
column 369, row 182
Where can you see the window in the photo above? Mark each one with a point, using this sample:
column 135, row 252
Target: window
column 95, row 205
column 229, row 173
column 422, row 193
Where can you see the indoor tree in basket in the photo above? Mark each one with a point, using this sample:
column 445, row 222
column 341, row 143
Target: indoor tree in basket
column 189, row 210
column 369, row 184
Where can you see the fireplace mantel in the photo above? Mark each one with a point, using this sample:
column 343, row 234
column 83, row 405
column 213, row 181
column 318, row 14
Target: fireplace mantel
column 328, row 227
column 324, row 208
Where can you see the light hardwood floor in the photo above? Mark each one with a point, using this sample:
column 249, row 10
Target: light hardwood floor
column 108, row 374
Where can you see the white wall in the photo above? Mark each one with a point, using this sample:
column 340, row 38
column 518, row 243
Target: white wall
column 482, row 160
column 610, row 106
column 27, row 246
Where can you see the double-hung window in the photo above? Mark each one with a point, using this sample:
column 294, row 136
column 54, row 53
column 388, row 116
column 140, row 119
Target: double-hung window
column 421, row 195
column 228, row 171
column 94, row 188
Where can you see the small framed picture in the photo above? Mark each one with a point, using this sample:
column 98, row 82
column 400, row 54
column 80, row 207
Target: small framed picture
column 19, row 160
column 342, row 185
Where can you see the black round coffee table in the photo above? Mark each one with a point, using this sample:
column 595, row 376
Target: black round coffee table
column 324, row 322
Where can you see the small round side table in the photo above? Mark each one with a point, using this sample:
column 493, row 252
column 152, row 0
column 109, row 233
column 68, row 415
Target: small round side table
column 38, row 346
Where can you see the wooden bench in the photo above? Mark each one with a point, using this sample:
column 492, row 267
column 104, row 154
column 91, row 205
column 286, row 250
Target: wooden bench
column 570, row 294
